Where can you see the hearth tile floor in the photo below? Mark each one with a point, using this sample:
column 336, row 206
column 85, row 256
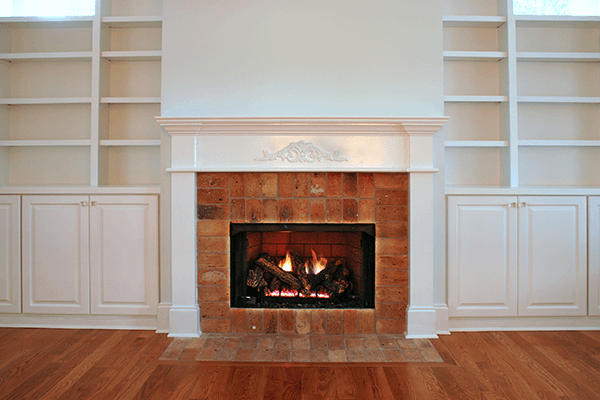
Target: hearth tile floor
column 300, row 348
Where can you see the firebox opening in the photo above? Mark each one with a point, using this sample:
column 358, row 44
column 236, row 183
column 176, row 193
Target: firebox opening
column 302, row 265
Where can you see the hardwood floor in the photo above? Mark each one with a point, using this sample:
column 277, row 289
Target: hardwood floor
column 105, row 364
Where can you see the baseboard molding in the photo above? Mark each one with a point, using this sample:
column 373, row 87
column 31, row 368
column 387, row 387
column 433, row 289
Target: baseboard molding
column 523, row 324
column 441, row 315
column 163, row 317
column 78, row 321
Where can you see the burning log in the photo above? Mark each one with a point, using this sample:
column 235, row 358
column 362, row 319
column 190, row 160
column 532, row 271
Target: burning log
column 286, row 277
column 328, row 272
column 274, row 285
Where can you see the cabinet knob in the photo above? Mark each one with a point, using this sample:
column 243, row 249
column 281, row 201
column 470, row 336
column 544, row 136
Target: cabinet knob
column 84, row 204
column 94, row 204
column 522, row 204
column 512, row 205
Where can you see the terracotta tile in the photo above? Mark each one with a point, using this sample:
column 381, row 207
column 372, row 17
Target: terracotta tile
column 196, row 343
column 350, row 210
column 266, row 343
column 170, row 354
column 213, row 277
column 271, row 321
column 354, row 344
column 253, row 210
column 350, row 322
column 423, row 343
column 215, row 325
column 263, row 355
column 390, row 310
column 366, row 211
column 269, row 185
column 319, row 355
column 373, row 356
column 336, row 343
column 300, row 355
column 335, row 322
column 392, row 262
column 244, row 355
column 301, row 210
column 393, row 355
column 431, row 355
column 392, row 229
column 317, row 210
column 231, row 342
column 213, row 261
column 337, row 356
column 391, row 181
column 334, row 184
column 286, row 321
column 215, row 341
column 301, row 342
column 237, row 185
column 213, row 228
column 286, row 210
column 282, row 355
column 371, row 343
column 220, row 212
column 188, row 354
column 350, row 184
column 355, row 355
column 286, row 184
column 391, row 213
column 249, row 342
column 387, row 343
column 282, row 342
column 391, row 246
column 318, row 343
column 253, row 185
column 301, row 185
column 212, row 180
column 334, row 211
column 238, row 210
column 392, row 198
column 366, row 185
column 390, row 294
column 215, row 310
column 303, row 321
column 318, row 322
column 391, row 277
column 255, row 321
column 213, row 244
column 213, row 293
column 270, row 208
column 213, row 196
column 207, row 354
column 238, row 320
column 365, row 321
column 412, row 355
column 318, row 184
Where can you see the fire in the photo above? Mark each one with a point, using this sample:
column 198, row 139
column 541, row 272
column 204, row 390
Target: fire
column 286, row 264
column 318, row 263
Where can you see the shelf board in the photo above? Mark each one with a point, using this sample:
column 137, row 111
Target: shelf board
column 149, row 55
column 46, row 100
column 476, row 143
column 558, row 57
column 133, row 22
column 123, row 142
column 48, row 56
column 474, row 55
column 475, row 99
column 556, row 21
column 44, row 143
column 473, row 21
column 130, row 100
column 47, row 22
column 559, row 143
column 558, row 99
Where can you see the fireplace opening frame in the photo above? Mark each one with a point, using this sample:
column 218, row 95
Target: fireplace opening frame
column 240, row 263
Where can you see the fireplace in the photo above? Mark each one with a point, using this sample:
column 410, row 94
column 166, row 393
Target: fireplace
column 329, row 266
column 307, row 171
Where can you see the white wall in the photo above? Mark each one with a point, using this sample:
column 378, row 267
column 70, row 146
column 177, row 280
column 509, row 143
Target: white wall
column 302, row 58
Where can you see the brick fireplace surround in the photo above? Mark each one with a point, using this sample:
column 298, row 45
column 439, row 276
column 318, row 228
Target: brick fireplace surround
column 327, row 197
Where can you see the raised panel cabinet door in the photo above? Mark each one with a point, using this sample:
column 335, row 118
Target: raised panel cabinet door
column 124, row 255
column 594, row 256
column 482, row 256
column 55, row 254
column 552, row 256
column 10, row 254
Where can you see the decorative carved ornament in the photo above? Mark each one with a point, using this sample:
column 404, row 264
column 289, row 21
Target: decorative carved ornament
column 302, row 152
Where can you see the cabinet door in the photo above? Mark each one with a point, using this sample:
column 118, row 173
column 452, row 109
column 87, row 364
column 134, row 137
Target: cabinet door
column 10, row 254
column 482, row 256
column 594, row 254
column 124, row 255
column 55, row 254
column 552, row 256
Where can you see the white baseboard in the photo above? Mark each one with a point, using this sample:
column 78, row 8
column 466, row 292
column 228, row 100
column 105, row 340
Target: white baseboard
column 421, row 323
column 77, row 321
column 441, row 315
column 163, row 317
column 523, row 324
column 184, row 321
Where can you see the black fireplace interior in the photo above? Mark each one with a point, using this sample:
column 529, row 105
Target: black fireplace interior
column 302, row 265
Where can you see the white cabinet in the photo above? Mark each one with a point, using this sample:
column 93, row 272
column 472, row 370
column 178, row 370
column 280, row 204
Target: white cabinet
column 594, row 255
column 10, row 254
column 517, row 256
column 95, row 254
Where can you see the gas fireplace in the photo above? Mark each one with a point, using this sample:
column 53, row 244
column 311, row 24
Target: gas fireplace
column 302, row 265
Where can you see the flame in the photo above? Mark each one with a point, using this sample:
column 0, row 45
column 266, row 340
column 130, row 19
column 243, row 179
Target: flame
column 286, row 264
column 318, row 264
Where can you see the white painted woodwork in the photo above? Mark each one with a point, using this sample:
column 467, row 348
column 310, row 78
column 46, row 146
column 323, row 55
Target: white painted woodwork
column 482, row 256
column 55, row 254
column 594, row 256
column 552, row 256
column 124, row 255
column 10, row 254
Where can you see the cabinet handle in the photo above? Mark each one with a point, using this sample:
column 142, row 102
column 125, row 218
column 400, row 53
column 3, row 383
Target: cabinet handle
column 512, row 205
column 84, row 204
column 522, row 204
column 94, row 204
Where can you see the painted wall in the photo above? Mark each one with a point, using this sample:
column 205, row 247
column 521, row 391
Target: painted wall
column 302, row 58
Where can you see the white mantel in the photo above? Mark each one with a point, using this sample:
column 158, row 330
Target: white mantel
column 402, row 144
